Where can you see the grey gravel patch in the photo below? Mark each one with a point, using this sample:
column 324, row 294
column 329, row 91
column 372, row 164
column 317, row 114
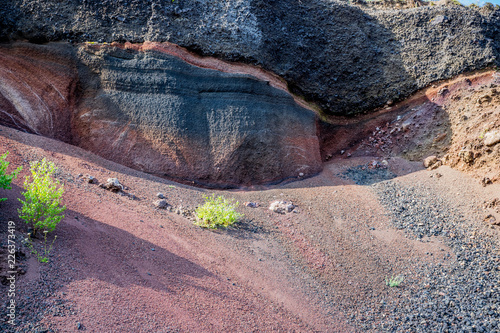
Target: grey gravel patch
column 463, row 296
column 364, row 175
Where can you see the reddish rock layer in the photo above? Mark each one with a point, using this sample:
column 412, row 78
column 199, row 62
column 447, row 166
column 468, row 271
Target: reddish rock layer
column 38, row 89
column 160, row 109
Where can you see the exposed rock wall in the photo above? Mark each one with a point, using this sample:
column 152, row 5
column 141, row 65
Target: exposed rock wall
column 347, row 59
column 38, row 89
column 153, row 111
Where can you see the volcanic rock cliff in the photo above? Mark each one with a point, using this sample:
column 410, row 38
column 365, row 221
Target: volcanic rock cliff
column 154, row 110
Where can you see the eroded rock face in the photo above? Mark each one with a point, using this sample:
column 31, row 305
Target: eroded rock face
column 38, row 89
column 157, row 113
column 345, row 58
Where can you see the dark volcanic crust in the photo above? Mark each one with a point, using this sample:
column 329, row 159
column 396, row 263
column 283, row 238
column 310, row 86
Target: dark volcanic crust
column 346, row 59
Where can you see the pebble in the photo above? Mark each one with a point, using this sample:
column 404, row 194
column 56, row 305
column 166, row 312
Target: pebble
column 161, row 204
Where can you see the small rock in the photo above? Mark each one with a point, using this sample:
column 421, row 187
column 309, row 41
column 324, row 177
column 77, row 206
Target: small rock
column 112, row 185
column 281, row 207
column 91, row 180
column 492, row 203
column 439, row 19
column 435, row 165
column 467, row 156
column 406, row 126
column 492, row 138
column 443, row 91
column 79, row 326
column 161, row 204
column 301, row 174
column 486, row 181
column 132, row 196
column 428, row 161
column 160, row 195
column 490, row 219
column 251, row 204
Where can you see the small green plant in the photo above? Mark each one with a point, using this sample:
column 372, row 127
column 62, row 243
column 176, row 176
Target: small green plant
column 217, row 211
column 5, row 178
column 394, row 281
column 41, row 207
column 483, row 132
column 41, row 257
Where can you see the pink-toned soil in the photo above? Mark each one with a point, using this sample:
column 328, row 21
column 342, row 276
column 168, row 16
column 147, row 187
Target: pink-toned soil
column 121, row 265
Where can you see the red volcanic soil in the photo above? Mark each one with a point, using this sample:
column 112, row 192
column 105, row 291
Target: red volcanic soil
column 121, row 265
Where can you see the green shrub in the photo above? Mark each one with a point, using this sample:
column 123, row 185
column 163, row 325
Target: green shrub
column 6, row 179
column 217, row 212
column 394, row 281
column 41, row 207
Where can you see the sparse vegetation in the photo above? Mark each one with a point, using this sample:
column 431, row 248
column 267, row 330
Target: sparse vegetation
column 5, row 178
column 483, row 132
column 41, row 207
column 217, row 212
column 394, row 281
column 40, row 256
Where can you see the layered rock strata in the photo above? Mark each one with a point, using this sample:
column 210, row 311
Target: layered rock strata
column 153, row 111
column 345, row 58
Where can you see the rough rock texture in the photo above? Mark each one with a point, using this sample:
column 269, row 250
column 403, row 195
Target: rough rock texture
column 154, row 112
column 159, row 114
column 347, row 59
column 38, row 89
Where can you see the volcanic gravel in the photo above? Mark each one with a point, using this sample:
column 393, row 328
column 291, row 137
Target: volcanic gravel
column 461, row 297
column 364, row 175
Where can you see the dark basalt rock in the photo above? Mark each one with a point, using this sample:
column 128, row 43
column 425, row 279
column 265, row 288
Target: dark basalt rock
column 347, row 59
column 157, row 113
